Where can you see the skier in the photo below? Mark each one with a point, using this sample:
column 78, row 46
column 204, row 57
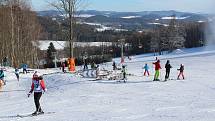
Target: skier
column 97, row 72
column 181, row 69
column 17, row 73
column 146, row 67
column 114, row 65
column 93, row 65
column 168, row 67
column 38, row 86
column 25, row 66
column 63, row 67
column 93, row 69
column 85, row 63
column 2, row 76
column 124, row 72
column 157, row 70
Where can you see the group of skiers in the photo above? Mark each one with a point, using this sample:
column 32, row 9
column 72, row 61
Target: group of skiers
column 38, row 84
column 167, row 67
column 157, row 68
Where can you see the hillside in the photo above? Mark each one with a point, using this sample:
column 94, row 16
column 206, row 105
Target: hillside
column 73, row 98
column 131, row 20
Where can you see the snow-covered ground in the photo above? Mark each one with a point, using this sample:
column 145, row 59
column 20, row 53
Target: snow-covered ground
column 180, row 18
column 73, row 98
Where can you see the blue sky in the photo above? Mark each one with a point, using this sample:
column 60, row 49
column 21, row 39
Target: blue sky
column 202, row 6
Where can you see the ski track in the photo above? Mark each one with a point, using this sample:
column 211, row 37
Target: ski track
column 77, row 99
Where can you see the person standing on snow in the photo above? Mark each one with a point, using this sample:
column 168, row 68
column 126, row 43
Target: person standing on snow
column 181, row 69
column 124, row 72
column 17, row 73
column 114, row 65
column 168, row 67
column 37, row 86
column 157, row 70
column 85, row 62
column 24, row 67
column 2, row 76
column 63, row 67
column 146, row 68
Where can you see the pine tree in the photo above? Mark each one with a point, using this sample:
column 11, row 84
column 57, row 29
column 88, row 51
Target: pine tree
column 50, row 57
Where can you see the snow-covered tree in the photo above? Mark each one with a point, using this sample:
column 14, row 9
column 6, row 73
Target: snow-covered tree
column 175, row 35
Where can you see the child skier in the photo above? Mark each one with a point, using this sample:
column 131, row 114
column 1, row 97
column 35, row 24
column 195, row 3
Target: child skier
column 146, row 67
column 63, row 65
column 124, row 72
column 17, row 73
column 38, row 86
column 24, row 67
column 157, row 70
column 168, row 67
column 85, row 63
column 2, row 76
column 181, row 69
column 97, row 72
column 114, row 65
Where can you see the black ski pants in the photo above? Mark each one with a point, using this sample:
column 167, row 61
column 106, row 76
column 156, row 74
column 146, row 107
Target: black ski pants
column 37, row 96
column 167, row 74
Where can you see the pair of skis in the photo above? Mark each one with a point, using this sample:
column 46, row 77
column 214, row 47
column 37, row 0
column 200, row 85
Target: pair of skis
column 32, row 115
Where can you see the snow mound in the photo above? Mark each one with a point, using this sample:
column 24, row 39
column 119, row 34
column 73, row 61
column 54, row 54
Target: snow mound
column 178, row 51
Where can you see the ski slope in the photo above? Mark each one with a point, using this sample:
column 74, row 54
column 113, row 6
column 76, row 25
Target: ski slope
column 73, row 98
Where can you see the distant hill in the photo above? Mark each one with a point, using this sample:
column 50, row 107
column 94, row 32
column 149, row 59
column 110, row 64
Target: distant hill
column 130, row 20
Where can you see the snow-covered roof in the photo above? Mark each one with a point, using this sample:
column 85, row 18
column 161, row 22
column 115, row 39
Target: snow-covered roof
column 44, row 44
column 130, row 17
column 59, row 45
column 179, row 18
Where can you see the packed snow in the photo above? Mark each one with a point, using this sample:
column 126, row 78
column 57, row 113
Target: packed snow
column 73, row 98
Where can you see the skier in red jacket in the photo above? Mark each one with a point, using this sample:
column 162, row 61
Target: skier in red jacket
column 157, row 70
column 38, row 86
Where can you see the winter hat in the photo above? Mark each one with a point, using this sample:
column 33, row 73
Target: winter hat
column 35, row 75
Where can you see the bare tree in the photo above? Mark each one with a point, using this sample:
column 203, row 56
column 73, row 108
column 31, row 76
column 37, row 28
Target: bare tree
column 70, row 8
column 19, row 32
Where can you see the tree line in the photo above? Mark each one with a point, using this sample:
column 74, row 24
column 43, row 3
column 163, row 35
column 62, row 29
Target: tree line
column 19, row 33
column 161, row 38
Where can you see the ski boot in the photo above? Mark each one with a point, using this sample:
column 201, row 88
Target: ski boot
column 40, row 111
column 35, row 113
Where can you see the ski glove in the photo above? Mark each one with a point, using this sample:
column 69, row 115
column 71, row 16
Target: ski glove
column 29, row 94
column 44, row 90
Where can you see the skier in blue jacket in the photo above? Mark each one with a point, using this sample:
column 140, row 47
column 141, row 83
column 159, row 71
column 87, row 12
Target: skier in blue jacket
column 146, row 67
column 2, row 76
